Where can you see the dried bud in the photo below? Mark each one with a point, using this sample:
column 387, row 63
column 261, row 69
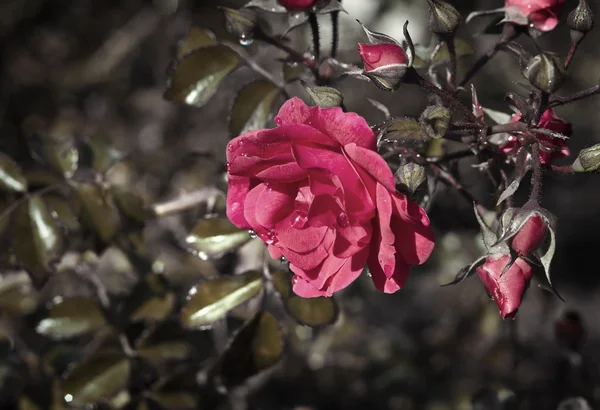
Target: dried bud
column 588, row 160
column 545, row 72
column 435, row 121
column 410, row 176
column 580, row 21
column 240, row 23
column 443, row 17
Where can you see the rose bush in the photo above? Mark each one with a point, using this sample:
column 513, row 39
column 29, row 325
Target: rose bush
column 542, row 14
column 317, row 192
column 550, row 148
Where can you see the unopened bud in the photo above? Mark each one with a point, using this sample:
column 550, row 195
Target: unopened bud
column 435, row 121
column 588, row 160
column 580, row 21
column 411, row 176
column 545, row 72
column 241, row 23
column 443, row 17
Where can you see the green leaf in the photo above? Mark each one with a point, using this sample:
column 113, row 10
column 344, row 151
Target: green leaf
column 154, row 309
column 63, row 210
column 314, row 312
column 97, row 152
column 130, row 204
column 103, row 376
column 324, row 97
column 213, row 237
column 11, row 177
column 165, row 353
column 194, row 39
column 405, row 130
column 98, row 209
column 37, row 240
column 252, row 107
column 440, row 53
column 176, row 400
column 70, row 318
column 41, row 176
column 435, row 121
column 257, row 346
column 213, row 299
column 17, row 295
column 60, row 153
column 197, row 76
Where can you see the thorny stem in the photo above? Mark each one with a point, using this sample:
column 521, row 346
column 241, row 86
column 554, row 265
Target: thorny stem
column 449, row 180
column 562, row 169
column 256, row 67
column 571, row 54
column 558, row 101
column 509, row 33
column 536, row 178
column 335, row 32
column 412, row 76
column 296, row 56
column 314, row 27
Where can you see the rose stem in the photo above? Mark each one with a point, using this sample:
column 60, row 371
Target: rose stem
column 536, row 177
column 413, row 77
column 509, row 33
column 558, row 101
column 562, row 169
column 571, row 54
column 449, row 180
column 294, row 55
column 335, row 27
column 314, row 27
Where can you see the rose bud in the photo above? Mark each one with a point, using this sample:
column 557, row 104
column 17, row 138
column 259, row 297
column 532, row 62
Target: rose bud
column 375, row 56
column 545, row 72
column 540, row 14
column 443, row 17
column 297, row 4
column 530, row 236
column 588, row 160
column 505, row 287
column 580, row 21
column 550, row 148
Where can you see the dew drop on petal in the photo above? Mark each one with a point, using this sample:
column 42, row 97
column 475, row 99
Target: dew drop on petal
column 270, row 237
column 299, row 221
column 252, row 234
column 342, row 220
column 295, row 280
column 284, row 260
column 278, row 121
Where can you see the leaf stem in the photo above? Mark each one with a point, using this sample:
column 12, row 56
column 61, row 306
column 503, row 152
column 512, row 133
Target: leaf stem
column 295, row 55
column 571, row 54
column 536, row 177
column 558, row 101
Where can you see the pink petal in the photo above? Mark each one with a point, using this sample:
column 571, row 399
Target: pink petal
column 373, row 163
column 236, row 194
column 351, row 240
column 385, row 283
column 275, row 204
column 305, row 289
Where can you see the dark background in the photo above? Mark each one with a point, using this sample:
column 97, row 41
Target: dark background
column 100, row 66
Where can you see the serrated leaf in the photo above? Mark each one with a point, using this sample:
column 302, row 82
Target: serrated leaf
column 17, row 295
column 11, row 177
column 37, row 240
column 96, row 152
column 101, row 377
column 405, row 130
column 63, row 210
column 252, row 107
column 59, row 153
column 99, row 209
column 441, row 53
column 213, row 237
column 197, row 76
column 314, row 312
column 194, row 39
column 329, row 6
column 70, row 318
column 210, row 301
column 521, row 169
column 296, row 19
column 257, row 346
column 435, row 121
column 324, row 97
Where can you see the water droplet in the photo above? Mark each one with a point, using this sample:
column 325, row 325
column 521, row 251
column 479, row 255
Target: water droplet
column 342, row 220
column 246, row 40
column 295, row 280
column 284, row 260
column 299, row 221
column 252, row 234
column 227, row 166
column 278, row 121
column 270, row 238
column 68, row 398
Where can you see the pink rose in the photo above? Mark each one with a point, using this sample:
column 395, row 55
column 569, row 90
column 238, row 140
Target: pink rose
column 375, row 56
column 530, row 236
column 297, row 4
column 542, row 14
column 316, row 191
column 507, row 289
column 550, row 148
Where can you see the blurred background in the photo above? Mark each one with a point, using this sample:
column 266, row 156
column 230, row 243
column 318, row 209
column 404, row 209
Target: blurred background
column 88, row 67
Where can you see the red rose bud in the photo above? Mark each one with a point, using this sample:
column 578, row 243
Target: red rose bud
column 550, row 148
column 540, row 14
column 506, row 288
column 297, row 4
column 530, row 236
column 375, row 56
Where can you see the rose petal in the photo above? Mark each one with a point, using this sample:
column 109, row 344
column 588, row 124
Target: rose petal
column 414, row 238
column 236, row 194
column 276, row 203
column 373, row 163
column 305, row 289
